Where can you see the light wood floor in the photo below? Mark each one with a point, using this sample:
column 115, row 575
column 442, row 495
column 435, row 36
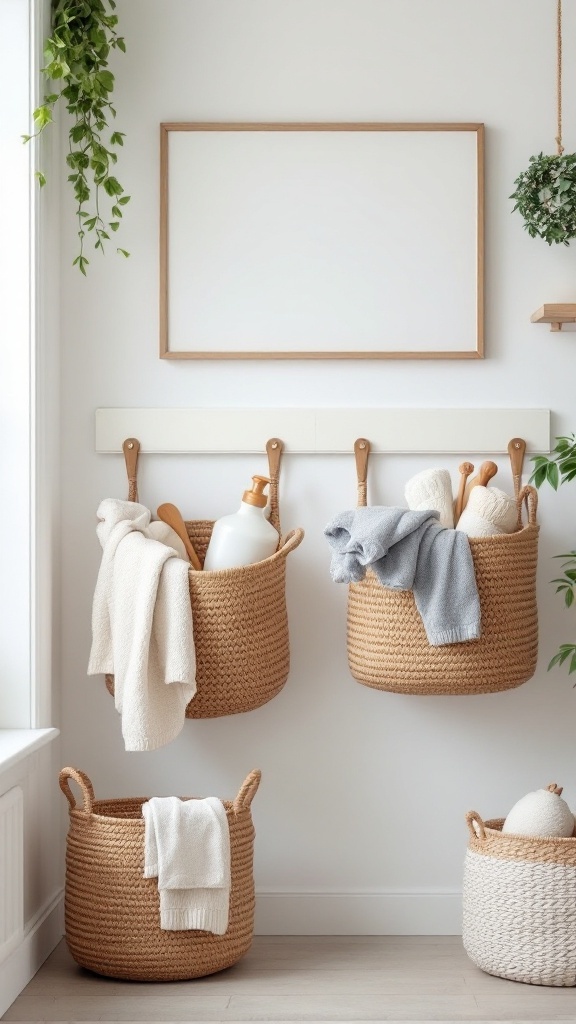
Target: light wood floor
column 302, row 979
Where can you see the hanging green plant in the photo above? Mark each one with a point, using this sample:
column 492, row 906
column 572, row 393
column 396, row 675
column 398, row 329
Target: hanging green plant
column 76, row 55
column 546, row 197
column 546, row 191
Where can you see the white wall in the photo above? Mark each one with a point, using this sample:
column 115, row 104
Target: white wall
column 362, row 792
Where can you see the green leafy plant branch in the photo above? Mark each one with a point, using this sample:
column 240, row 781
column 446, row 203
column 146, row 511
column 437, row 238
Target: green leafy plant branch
column 76, row 54
column 557, row 470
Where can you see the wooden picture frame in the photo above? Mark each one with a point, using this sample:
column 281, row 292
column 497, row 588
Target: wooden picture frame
column 263, row 225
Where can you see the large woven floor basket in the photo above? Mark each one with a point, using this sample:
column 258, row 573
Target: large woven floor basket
column 240, row 619
column 112, row 911
column 387, row 644
column 520, row 904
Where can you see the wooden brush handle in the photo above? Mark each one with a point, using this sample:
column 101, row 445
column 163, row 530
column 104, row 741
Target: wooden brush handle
column 171, row 515
column 485, row 473
column 465, row 469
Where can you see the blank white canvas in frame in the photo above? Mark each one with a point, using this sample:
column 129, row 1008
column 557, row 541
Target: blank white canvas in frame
column 295, row 242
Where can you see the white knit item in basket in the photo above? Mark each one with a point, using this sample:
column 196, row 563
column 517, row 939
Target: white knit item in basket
column 488, row 512
column 432, row 488
column 519, row 905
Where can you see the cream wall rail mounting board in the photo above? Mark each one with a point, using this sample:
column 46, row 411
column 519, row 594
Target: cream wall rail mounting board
column 330, row 431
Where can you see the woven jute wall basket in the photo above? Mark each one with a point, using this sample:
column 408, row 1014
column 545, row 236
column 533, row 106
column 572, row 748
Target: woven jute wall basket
column 520, row 904
column 113, row 913
column 239, row 616
column 387, row 644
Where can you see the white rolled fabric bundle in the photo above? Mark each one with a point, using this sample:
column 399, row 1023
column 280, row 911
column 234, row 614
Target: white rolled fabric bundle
column 488, row 512
column 432, row 488
column 543, row 813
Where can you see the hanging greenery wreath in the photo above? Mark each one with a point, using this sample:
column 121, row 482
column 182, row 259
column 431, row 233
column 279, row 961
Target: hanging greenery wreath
column 546, row 197
column 76, row 55
column 546, row 191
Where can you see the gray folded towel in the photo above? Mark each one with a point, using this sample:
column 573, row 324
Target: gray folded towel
column 409, row 550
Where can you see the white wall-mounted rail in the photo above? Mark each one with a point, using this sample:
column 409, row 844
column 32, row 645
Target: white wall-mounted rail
column 323, row 431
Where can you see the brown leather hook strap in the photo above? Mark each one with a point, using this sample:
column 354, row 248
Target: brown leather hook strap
column 131, row 449
column 517, row 451
column 361, row 453
column 274, row 448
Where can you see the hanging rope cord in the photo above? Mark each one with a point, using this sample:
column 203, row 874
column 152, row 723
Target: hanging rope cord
column 559, row 145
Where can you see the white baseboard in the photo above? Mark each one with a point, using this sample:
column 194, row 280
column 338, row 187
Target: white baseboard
column 42, row 934
column 381, row 913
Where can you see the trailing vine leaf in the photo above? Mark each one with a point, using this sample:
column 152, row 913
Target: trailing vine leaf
column 76, row 54
column 546, row 197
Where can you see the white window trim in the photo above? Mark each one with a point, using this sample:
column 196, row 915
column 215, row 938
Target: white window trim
column 17, row 744
column 28, row 399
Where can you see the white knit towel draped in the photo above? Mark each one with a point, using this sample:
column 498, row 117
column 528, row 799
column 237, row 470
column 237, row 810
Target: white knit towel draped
column 142, row 627
column 187, row 847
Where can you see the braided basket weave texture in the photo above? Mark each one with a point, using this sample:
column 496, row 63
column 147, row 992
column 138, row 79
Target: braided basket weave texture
column 240, row 630
column 520, row 905
column 239, row 616
column 240, row 627
column 112, row 912
column 387, row 644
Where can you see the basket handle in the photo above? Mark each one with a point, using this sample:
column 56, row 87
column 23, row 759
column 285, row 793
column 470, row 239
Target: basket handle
column 247, row 791
column 131, row 449
column 85, row 785
column 361, row 453
column 472, row 819
column 274, row 449
column 291, row 541
column 528, row 496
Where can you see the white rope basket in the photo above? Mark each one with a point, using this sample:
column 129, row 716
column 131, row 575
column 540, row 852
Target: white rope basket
column 520, row 904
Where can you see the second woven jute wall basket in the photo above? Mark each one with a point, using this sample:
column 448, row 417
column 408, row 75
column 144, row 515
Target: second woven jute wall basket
column 387, row 644
column 239, row 616
column 112, row 912
column 520, row 904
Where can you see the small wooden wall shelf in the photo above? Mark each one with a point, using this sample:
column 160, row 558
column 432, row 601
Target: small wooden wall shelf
column 555, row 314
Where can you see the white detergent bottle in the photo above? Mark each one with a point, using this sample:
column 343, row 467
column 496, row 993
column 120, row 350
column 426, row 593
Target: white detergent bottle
column 244, row 537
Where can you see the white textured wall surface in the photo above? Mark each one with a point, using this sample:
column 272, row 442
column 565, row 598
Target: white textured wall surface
column 362, row 791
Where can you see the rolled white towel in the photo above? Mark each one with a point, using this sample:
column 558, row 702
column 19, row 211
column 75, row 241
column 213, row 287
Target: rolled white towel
column 488, row 512
column 432, row 488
